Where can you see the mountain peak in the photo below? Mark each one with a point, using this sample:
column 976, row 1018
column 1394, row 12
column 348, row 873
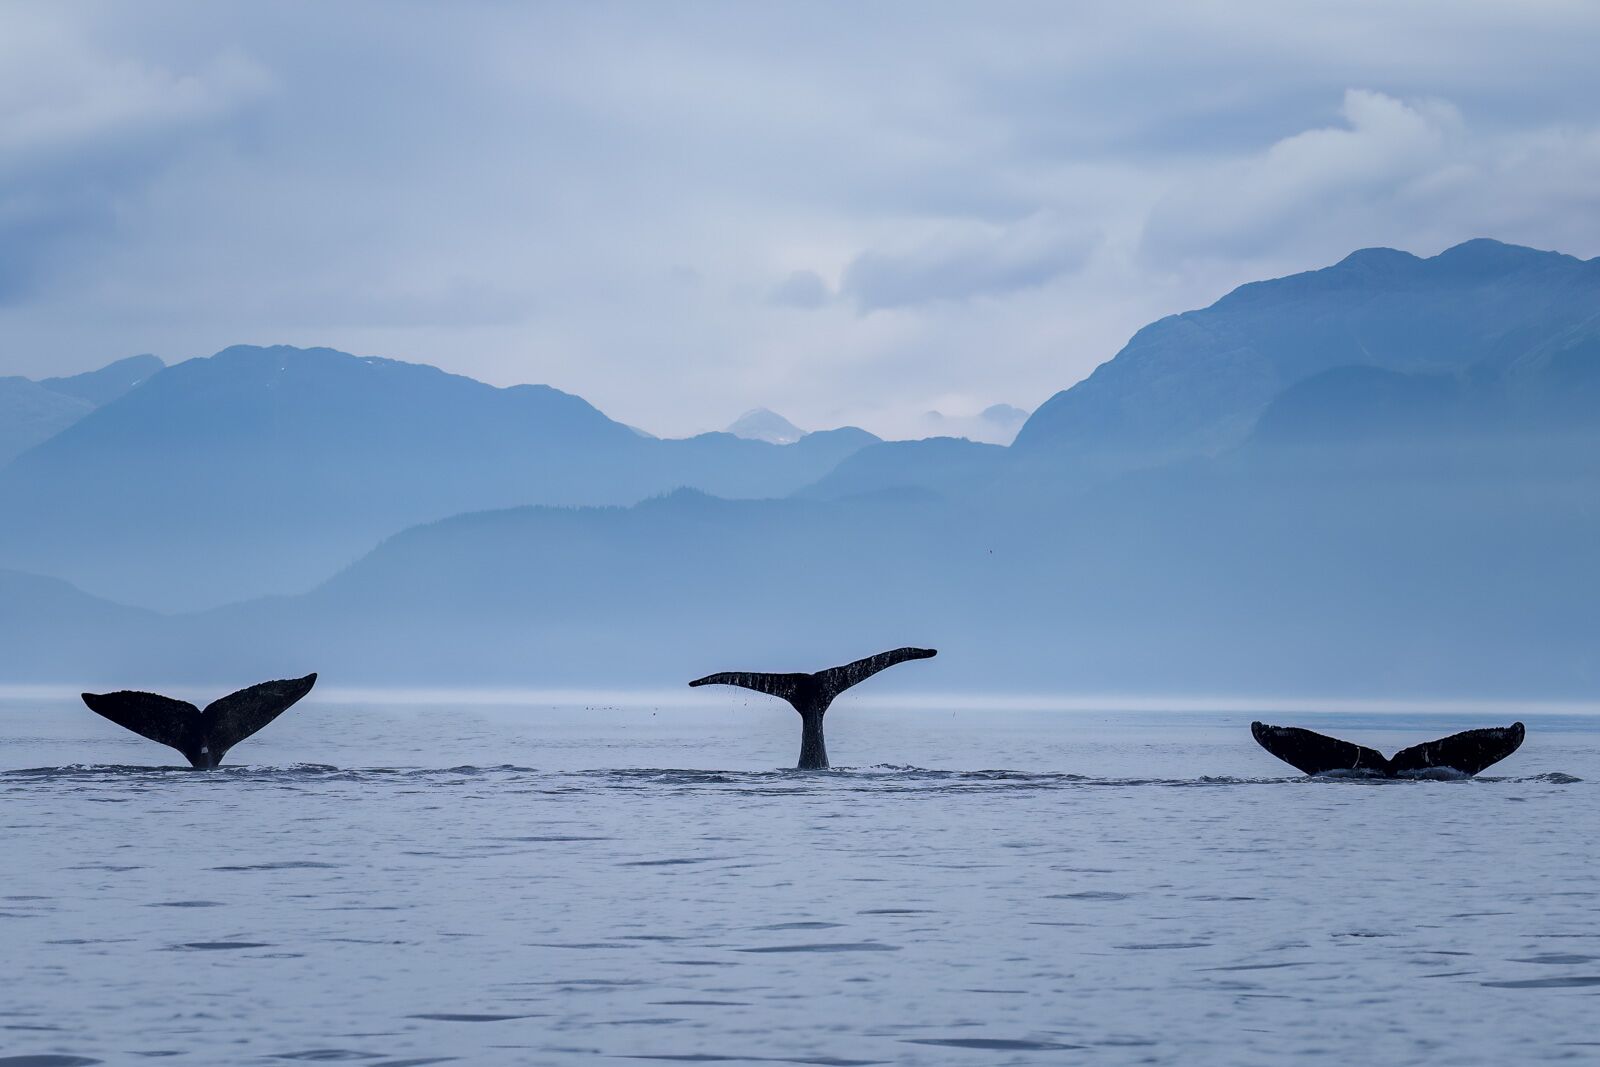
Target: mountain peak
column 1379, row 257
column 1003, row 414
column 33, row 412
column 1195, row 383
column 109, row 382
column 1485, row 256
column 760, row 424
column 288, row 462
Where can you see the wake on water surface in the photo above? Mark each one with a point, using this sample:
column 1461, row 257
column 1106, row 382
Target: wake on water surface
column 880, row 776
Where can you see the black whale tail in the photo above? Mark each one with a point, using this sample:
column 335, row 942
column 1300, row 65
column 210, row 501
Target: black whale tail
column 1314, row 753
column 203, row 737
column 810, row 694
column 836, row 680
column 788, row 687
column 1469, row 752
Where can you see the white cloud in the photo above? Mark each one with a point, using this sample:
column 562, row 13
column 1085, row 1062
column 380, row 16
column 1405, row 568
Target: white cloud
column 1412, row 174
column 1306, row 180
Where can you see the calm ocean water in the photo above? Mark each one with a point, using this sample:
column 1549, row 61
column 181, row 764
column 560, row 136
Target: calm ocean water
column 530, row 885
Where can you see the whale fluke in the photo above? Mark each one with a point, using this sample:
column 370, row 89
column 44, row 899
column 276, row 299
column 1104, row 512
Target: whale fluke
column 836, row 680
column 1468, row 752
column 174, row 723
column 788, row 687
column 1314, row 753
column 203, row 737
column 810, row 694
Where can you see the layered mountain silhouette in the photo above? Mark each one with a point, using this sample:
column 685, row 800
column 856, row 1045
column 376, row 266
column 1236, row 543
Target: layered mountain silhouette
column 760, row 424
column 263, row 470
column 1479, row 317
column 1390, row 517
column 996, row 424
column 1226, row 576
column 30, row 413
column 35, row 411
column 1196, row 383
column 948, row 466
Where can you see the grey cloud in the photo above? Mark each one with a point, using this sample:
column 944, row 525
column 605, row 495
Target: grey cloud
column 114, row 103
column 84, row 133
column 969, row 262
column 801, row 289
column 521, row 192
column 1390, row 172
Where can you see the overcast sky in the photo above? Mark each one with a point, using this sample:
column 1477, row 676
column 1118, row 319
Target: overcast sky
column 848, row 213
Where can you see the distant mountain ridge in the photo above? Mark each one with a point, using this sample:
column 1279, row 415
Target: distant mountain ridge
column 1195, row 383
column 1402, row 498
column 996, row 424
column 1256, row 573
column 1480, row 317
column 109, row 382
column 760, row 424
column 30, row 414
column 34, row 411
column 288, row 463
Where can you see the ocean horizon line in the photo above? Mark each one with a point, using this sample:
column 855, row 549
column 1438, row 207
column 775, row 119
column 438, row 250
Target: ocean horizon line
column 953, row 700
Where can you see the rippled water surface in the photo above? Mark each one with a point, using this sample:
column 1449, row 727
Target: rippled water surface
column 407, row 885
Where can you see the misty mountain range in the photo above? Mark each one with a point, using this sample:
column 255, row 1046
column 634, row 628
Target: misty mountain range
column 264, row 470
column 32, row 412
column 1380, row 478
column 760, row 424
column 995, row 424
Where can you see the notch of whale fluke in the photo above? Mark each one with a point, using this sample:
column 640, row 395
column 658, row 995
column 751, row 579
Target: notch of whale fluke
column 1468, row 753
column 203, row 737
column 810, row 694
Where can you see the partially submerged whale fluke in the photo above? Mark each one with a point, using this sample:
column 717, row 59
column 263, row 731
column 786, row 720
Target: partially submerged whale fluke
column 810, row 694
column 203, row 737
column 1467, row 753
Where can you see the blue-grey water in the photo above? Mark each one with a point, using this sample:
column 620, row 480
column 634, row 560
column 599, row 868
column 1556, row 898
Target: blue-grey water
column 532, row 885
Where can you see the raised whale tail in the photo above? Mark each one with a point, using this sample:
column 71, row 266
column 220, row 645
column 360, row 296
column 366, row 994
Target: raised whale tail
column 203, row 737
column 1468, row 752
column 836, row 680
column 807, row 691
column 1314, row 753
column 810, row 694
column 790, row 687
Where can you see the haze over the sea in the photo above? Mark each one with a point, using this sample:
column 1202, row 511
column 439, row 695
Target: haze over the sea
column 1373, row 482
